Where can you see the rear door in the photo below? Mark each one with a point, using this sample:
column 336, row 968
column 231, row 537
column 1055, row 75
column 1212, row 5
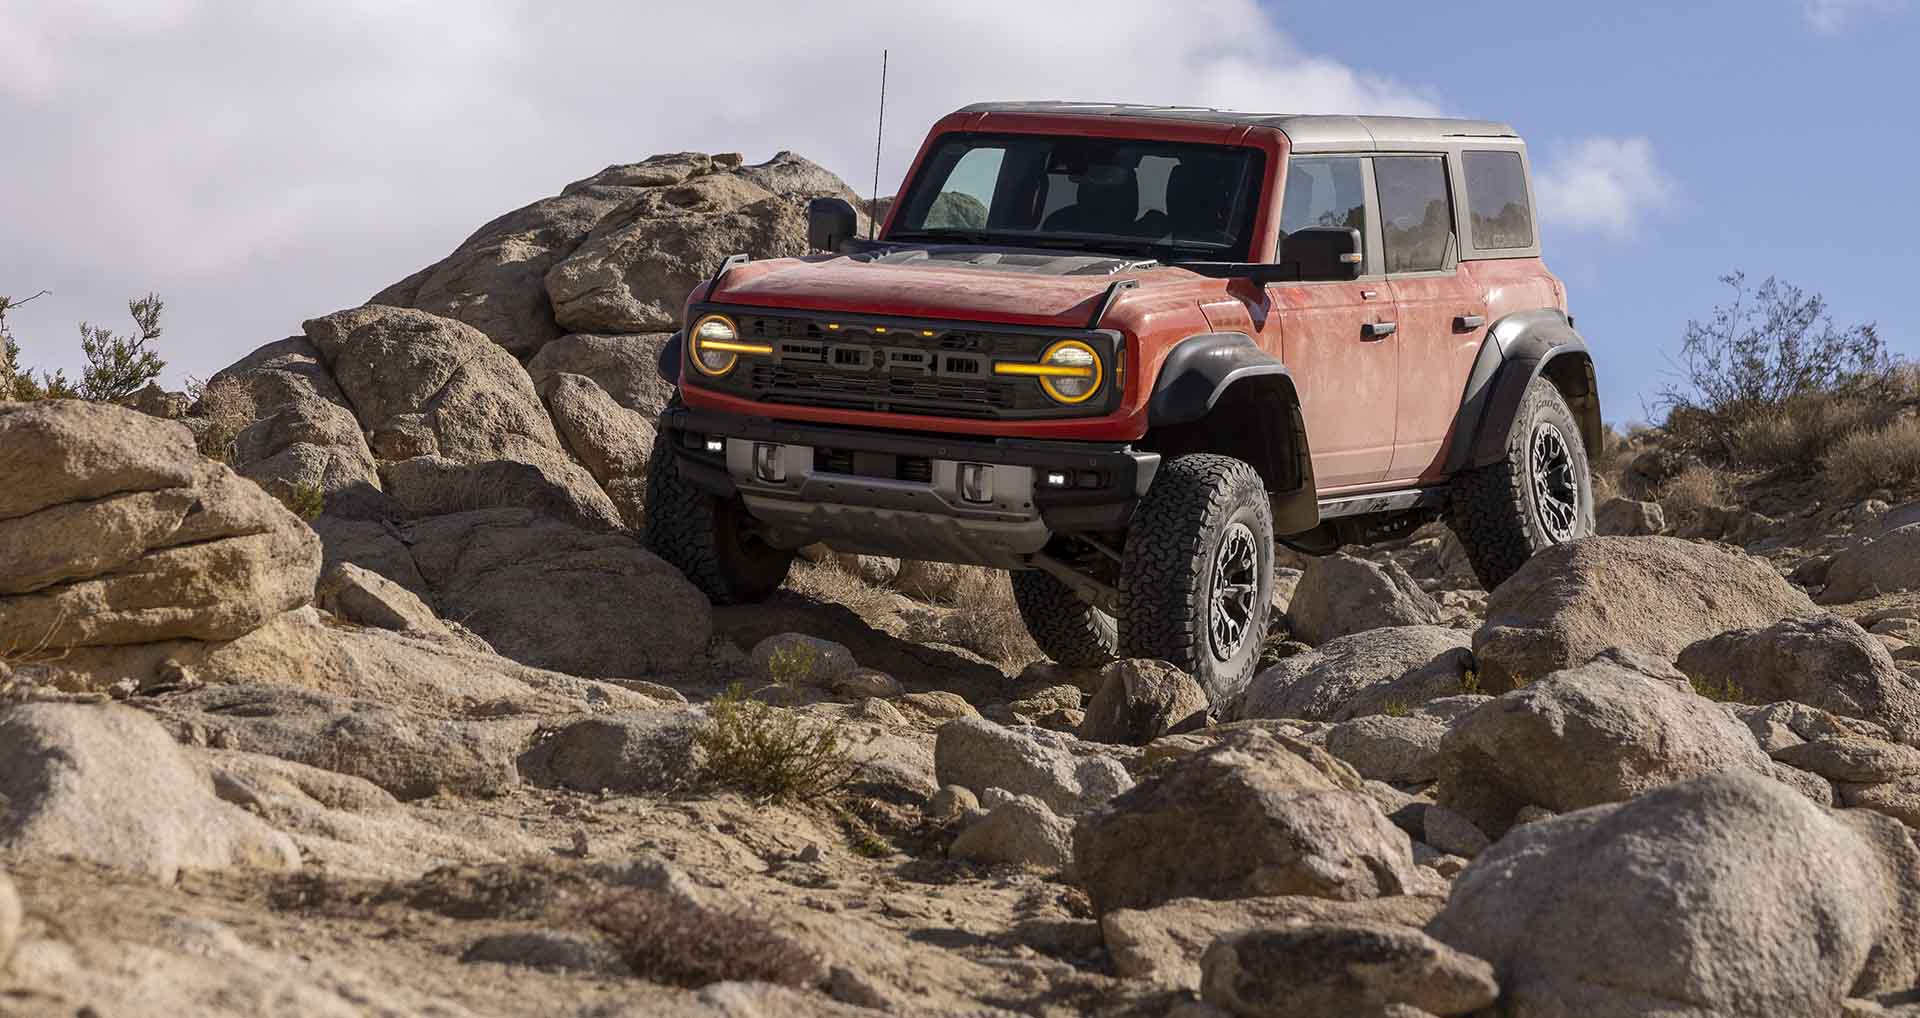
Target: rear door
column 1334, row 335
column 1441, row 315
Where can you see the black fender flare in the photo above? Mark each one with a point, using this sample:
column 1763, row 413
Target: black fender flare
column 1208, row 370
column 670, row 359
column 1518, row 349
column 1200, row 369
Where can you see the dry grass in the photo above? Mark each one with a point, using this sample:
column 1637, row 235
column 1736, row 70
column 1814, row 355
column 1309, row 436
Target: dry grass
column 227, row 406
column 668, row 939
column 1802, row 431
column 826, row 581
column 1887, row 457
column 1693, row 491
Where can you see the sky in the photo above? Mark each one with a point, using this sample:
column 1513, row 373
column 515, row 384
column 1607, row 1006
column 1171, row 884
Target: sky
column 260, row 164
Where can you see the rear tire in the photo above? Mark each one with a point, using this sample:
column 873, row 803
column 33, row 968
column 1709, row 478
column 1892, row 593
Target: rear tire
column 1068, row 630
column 1196, row 575
column 1539, row 495
column 709, row 539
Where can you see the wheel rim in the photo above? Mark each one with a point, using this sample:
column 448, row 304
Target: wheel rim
column 1556, row 496
column 1236, row 583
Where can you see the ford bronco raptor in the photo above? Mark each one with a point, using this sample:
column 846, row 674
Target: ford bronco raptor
column 1122, row 350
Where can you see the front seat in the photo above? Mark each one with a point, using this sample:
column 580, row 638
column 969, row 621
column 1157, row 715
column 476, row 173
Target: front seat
column 1200, row 202
column 1106, row 201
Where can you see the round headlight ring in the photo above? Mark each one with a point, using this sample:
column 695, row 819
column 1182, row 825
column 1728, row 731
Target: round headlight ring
column 713, row 362
column 1068, row 389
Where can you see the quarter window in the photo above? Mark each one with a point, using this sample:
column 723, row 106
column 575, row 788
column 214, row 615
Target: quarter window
column 1415, row 212
column 1497, row 200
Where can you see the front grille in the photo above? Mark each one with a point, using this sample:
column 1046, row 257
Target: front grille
column 873, row 464
column 780, row 383
column 905, row 366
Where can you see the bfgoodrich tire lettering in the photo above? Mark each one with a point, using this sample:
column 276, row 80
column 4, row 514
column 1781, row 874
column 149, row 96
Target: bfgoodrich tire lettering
column 1067, row 629
column 1200, row 508
column 707, row 538
column 1538, row 495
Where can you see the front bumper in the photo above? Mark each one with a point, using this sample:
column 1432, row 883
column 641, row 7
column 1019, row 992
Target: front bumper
column 904, row 494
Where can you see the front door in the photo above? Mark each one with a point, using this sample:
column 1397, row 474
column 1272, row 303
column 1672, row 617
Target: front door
column 1337, row 337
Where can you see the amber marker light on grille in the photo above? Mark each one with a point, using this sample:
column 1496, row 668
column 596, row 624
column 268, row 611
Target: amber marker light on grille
column 1069, row 371
column 717, row 347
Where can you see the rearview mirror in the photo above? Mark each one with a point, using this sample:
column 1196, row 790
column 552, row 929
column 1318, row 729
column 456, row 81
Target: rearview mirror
column 831, row 222
column 1320, row 253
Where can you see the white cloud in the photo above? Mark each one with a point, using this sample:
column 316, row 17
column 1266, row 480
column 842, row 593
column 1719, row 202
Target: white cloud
column 1603, row 185
column 1831, row 17
column 261, row 163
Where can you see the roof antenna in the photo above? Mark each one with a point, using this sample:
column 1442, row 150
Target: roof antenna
column 878, row 133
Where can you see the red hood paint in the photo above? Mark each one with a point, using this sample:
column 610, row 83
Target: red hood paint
column 921, row 291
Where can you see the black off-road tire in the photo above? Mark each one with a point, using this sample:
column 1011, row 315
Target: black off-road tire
column 1069, row 631
column 708, row 538
column 1172, row 564
column 1506, row 512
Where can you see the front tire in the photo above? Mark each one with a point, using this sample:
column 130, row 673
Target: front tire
column 709, row 539
column 1067, row 629
column 1538, row 495
column 1196, row 575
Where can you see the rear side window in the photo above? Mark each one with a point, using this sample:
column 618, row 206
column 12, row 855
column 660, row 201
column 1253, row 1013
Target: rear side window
column 1415, row 211
column 1497, row 200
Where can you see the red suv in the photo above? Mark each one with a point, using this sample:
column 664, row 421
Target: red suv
column 1120, row 351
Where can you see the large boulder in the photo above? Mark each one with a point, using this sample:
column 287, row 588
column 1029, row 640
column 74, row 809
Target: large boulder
column 296, row 429
column 552, row 595
column 106, row 784
column 1334, row 970
column 1251, row 816
column 552, row 486
column 1364, row 673
column 127, row 535
column 1164, row 943
column 1626, row 517
column 1722, row 895
column 1068, row 776
column 1883, row 562
column 1652, row 595
column 1342, row 594
column 1827, row 662
column 1020, row 831
column 1141, row 701
column 614, row 444
column 627, row 367
column 1404, row 749
column 1599, row 733
column 634, row 271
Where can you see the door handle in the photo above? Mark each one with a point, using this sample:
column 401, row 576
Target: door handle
column 1378, row 330
column 1467, row 323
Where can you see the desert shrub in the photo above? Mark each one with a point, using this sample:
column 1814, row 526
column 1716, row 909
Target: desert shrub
column 827, row 581
column 119, row 366
column 792, row 665
column 986, row 620
column 1800, row 431
column 1771, row 351
column 227, row 407
column 669, row 939
column 1695, row 489
column 306, row 501
column 769, row 752
column 1725, row 691
column 1887, row 457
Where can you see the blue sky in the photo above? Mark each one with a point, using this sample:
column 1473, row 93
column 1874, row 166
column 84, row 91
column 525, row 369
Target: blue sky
column 1787, row 135
column 263, row 164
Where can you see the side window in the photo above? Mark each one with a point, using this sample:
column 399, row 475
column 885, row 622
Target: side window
column 1323, row 191
column 1497, row 200
column 1415, row 212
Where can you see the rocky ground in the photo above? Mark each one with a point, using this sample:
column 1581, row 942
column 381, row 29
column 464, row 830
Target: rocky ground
column 346, row 689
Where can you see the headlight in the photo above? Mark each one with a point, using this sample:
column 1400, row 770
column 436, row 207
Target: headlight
column 1070, row 371
column 716, row 345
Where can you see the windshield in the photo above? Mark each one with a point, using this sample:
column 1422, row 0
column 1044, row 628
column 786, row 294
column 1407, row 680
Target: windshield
column 1165, row 200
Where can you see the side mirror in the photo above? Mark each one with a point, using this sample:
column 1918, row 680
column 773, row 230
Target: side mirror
column 831, row 222
column 1321, row 253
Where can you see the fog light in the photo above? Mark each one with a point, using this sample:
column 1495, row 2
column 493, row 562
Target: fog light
column 1056, row 479
column 767, row 463
column 716, row 445
column 976, row 482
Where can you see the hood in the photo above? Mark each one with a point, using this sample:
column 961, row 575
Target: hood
column 972, row 284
